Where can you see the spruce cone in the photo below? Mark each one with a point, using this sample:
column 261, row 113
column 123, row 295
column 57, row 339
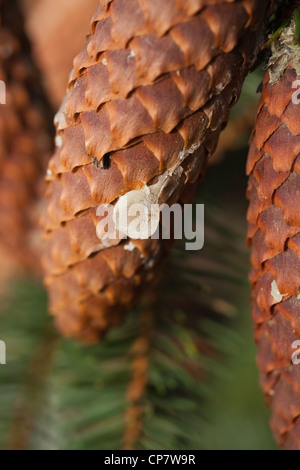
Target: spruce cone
column 147, row 99
column 25, row 142
column 274, row 234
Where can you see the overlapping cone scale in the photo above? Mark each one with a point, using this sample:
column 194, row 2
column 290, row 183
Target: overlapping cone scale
column 25, row 144
column 148, row 96
column 274, row 234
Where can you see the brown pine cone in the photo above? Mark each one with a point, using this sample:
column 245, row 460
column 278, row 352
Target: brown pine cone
column 274, row 234
column 146, row 102
column 26, row 143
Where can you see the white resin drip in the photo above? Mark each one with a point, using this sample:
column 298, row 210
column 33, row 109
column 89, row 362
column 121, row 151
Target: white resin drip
column 277, row 296
column 148, row 197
